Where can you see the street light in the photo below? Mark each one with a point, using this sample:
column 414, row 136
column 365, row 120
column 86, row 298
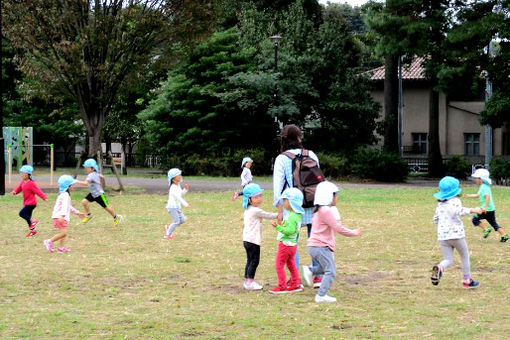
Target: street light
column 275, row 39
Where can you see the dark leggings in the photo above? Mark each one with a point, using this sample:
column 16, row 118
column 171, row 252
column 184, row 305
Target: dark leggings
column 26, row 213
column 253, row 258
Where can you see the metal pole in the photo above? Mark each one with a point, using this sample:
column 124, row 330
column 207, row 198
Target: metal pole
column 275, row 39
column 2, row 147
column 9, row 158
column 52, row 162
column 400, row 108
column 488, row 128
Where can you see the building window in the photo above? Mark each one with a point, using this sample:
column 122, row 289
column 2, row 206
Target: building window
column 472, row 144
column 419, row 143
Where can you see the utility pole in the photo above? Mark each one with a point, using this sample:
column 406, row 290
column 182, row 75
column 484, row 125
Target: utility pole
column 488, row 128
column 400, row 108
column 2, row 148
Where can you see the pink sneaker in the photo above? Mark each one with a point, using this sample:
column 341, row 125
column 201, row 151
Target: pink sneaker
column 48, row 245
column 31, row 233
column 235, row 195
column 33, row 224
column 63, row 250
column 169, row 237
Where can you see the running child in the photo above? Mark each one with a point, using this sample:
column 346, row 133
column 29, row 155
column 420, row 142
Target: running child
column 450, row 230
column 246, row 176
column 321, row 244
column 287, row 245
column 487, row 206
column 252, row 232
column 61, row 213
column 175, row 201
column 29, row 189
column 96, row 193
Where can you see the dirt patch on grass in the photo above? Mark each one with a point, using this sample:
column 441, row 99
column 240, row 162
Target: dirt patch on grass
column 365, row 279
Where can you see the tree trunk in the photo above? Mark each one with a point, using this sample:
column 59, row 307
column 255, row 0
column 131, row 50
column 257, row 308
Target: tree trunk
column 391, row 103
column 435, row 158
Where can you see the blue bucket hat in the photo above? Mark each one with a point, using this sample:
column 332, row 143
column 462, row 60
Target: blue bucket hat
column 64, row 182
column 173, row 173
column 295, row 197
column 246, row 160
column 448, row 188
column 91, row 163
column 250, row 190
column 26, row 169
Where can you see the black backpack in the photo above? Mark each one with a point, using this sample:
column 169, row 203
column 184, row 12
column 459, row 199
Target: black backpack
column 306, row 174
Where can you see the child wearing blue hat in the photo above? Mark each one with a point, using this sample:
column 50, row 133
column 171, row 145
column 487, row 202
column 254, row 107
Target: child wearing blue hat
column 246, row 176
column 482, row 178
column 175, row 201
column 96, row 193
column 29, row 189
column 450, row 230
column 61, row 213
column 287, row 245
column 252, row 232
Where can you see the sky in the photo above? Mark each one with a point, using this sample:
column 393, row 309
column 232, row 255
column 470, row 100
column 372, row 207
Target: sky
column 350, row 2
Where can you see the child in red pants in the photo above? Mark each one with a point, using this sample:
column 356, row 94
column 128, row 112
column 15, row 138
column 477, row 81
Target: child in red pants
column 287, row 246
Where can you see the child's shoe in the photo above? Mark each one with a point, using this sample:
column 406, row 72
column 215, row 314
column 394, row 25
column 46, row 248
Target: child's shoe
column 317, row 282
column 252, row 286
column 486, row 232
column 472, row 284
column 307, row 276
column 278, row 290
column 34, row 224
column 235, row 195
column 48, row 245
column 32, row 232
column 87, row 218
column 171, row 237
column 504, row 238
column 437, row 273
column 325, row 298
column 63, row 250
column 295, row 288
column 117, row 220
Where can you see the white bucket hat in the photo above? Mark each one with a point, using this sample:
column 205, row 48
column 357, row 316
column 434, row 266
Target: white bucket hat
column 324, row 193
column 246, row 160
column 483, row 174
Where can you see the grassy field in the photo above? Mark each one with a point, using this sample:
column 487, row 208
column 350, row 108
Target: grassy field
column 130, row 283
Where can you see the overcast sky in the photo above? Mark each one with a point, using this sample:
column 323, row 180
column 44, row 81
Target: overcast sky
column 350, row 2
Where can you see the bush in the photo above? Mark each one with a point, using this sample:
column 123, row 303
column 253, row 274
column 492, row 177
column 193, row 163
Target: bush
column 334, row 166
column 500, row 170
column 370, row 163
column 458, row 167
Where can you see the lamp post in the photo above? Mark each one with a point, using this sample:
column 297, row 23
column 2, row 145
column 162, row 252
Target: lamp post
column 275, row 39
column 2, row 150
column 488, row 128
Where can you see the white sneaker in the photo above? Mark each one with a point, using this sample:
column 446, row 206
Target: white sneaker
column 325, row 298
column 256, row 286
column 307, row 276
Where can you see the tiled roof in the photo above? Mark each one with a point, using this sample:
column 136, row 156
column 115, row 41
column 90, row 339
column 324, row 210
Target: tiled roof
column 413, row 71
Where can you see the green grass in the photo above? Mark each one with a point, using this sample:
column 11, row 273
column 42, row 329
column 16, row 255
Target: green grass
column 130, row 283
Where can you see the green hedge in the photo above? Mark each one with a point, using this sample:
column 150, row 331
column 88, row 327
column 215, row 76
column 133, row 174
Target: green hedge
column 500, row 170
column 371, row 163
column 458, row 167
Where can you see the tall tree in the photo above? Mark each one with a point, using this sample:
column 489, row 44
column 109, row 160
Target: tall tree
column 87, row 48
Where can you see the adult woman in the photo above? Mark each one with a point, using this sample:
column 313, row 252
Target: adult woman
column 291, row 141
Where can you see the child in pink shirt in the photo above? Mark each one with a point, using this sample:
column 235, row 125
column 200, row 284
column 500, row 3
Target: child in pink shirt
column 321, row 244
column 29, row 189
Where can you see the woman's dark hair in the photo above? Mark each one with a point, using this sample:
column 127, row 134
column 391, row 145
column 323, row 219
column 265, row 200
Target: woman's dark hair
column 291, row 137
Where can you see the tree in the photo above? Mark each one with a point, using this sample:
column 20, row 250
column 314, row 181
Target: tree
column 87, row 48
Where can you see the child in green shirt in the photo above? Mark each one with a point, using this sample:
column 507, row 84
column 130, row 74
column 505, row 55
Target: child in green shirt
column 487, row 204
column 287, row 246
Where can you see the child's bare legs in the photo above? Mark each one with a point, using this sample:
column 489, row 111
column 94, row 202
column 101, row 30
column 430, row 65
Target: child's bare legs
column 60, row 237
column 110, row 211
column 85, row 204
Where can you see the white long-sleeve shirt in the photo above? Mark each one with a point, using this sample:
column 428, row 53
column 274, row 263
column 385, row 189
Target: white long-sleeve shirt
column 246, row 177
column 447, row 217
column 253, row 217
column 63, row 207
column 175, row 199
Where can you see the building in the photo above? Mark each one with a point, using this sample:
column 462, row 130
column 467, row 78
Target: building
column 460, row 132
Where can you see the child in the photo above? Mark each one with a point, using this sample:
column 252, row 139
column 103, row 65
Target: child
column 96, row 193
column 252, row 232
column 30, row 189
column 321, row 244
column 175, row 201
column 246, row 176
column 287, row 245
column 61, row 213
column 450, row 230
column 486, row 204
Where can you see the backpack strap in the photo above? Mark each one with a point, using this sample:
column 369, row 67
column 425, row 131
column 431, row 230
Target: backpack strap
column 292, row 157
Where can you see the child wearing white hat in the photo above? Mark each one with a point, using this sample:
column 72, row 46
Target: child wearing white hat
column 246, row 176
column 450, row 230
column 175, row 201
column 482, row 178
column 252, row 232
column 61, row 213
column 287, row 245
column 321, row 244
